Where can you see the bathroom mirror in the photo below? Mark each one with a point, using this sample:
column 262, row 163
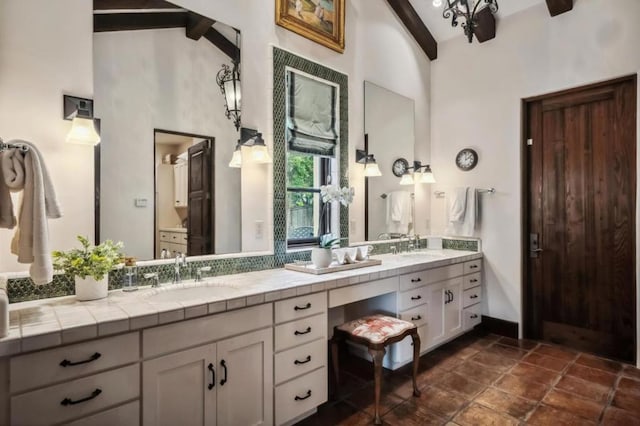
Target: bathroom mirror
column 164, row 185
column 390, row 135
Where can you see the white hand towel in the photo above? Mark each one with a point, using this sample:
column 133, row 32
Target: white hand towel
column 458, row 205
column 26, row 171
column 398, row 212
column 467, row 226
column 7, row 216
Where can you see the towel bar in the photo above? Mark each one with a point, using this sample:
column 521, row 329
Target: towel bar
column 5, row 146
column 440, row 194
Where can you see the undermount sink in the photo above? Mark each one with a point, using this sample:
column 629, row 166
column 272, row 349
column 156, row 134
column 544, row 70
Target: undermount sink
column 182, row 294
column 423, row 253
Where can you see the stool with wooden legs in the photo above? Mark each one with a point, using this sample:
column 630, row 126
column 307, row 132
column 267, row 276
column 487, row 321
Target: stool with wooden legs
column 376, row 332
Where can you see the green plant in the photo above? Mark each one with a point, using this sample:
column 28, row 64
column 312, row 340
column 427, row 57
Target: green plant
column 328, row 241
column 89, row 261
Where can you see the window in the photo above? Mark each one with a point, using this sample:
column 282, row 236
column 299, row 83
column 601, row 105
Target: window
column 312, row 140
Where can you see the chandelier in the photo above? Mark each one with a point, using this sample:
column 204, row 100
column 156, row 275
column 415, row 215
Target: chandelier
column 466, row 9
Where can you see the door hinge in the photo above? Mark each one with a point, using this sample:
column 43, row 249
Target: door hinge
column 529, row 142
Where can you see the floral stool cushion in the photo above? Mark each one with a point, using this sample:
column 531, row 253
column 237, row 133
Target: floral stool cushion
column 376, row 328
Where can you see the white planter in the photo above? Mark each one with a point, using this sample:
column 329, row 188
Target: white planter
column 321, row 257
column 90, row 289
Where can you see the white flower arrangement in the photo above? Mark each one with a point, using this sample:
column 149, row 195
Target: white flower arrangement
column 333, row 193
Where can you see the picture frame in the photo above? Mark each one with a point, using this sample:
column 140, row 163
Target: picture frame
column 321, row 21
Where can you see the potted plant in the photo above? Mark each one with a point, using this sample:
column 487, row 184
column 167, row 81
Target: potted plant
column 90, row 266
column 321, row 256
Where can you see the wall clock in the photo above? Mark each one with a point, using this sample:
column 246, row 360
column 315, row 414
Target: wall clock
column 466, row 159
column 400, row 167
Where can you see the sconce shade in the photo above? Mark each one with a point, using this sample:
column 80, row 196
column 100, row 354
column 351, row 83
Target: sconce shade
column 427, row 176
column 83, row 131
column 236, row 159
column 372, row 170
column 260, row 154
column 407, row 179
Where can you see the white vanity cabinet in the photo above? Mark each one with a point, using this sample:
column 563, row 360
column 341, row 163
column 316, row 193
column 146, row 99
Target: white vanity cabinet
column 181, row 184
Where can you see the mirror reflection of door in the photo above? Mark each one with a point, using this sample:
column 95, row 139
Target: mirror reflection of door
column 184, row 194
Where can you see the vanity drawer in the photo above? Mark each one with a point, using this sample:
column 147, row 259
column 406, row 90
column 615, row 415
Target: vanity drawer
column 302, row 331
column 412, row 298
column 124, row 415
column 473, row 266
column 299, row 307
column 300, row 395
column 471, row 317
column 170, row 237
column 472, row 280
column 300, row 360
column 59, row 403
column 417, row 315
column 471, row 296
column 430, row 276
column 61, row 364
column 412, row 281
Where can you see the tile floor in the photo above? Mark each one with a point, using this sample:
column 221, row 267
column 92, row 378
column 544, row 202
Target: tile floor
column 491, row 380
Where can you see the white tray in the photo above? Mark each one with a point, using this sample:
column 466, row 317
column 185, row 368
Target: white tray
column 308, row 268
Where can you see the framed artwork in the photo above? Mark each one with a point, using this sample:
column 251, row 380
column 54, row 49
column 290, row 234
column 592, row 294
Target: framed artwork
column 319, row 20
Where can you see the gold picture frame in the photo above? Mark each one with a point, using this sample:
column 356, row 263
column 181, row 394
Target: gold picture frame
column 321, row 21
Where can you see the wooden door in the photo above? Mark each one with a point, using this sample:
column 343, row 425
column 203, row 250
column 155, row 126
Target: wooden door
column 200, row 211
column 176, row 389
column 580, row 189
column 245, row 379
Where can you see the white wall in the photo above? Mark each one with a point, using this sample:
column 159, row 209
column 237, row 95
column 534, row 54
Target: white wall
column 160, row 79
column 45, row 51
column 476, row 93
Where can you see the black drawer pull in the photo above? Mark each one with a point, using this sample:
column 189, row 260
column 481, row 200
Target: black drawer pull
column 213, row 377
column 473, row 296
column 67, row 363
column 224, row 365
column 302, row 308
column 473, row 267
column 473, row 281
column 302, row 398
column 416, row 280
column 307, row 359
column 416, row 297
column 299, row 333
column 474, row 316
column 68, row 401
column 419, row 317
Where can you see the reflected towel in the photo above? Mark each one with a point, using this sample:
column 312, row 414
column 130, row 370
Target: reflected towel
column 26, row 172
column 398, row 212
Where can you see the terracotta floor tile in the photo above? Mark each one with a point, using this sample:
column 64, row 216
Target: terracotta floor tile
column 478, row 372
column 520, row 386
column 627, row 401
column 483, row 342
column 587, row 409
column 364, row 400
column 545, row 361
column 440, row 360
column 505, row 403
column 588, row 390
column 616, row 417
column 337, row 414
column 592, row 375
column 506, row 351
column 410, row 414
column 494, row 361
column 461, row 385
column 477, row 415
column 631, row 371
column 535, row 373
column 549, row 416
column 629, row 386
column 440, row 401
column 556, row 352
column 400, row 385
column 523, row 344
column 428, row 377
column 599, row 363
column 465, row 352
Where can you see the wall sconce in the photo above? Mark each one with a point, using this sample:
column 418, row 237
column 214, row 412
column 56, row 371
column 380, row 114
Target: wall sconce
column 252, row 139
column 228, row 78
column 419, row 176
column 80, row 112
column 371, row 168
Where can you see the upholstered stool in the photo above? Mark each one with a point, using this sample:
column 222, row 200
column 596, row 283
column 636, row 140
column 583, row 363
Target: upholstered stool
column 376, row 332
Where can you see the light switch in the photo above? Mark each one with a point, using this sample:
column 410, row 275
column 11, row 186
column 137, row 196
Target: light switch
column 259, row 229
column 141, row 202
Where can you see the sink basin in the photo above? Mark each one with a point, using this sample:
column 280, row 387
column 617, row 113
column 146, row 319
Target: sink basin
column 184, row 294
column 424, row 254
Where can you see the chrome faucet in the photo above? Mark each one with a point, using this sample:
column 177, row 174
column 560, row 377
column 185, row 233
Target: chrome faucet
column 199, row 272
column 153, row 276
column 181, row 261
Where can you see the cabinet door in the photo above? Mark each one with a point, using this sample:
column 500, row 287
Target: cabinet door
column 245, row 379
column 175, row 389
column 436, row 323
column 453, row 307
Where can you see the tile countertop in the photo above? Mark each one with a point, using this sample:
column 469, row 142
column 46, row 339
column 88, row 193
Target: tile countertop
column 47, row 323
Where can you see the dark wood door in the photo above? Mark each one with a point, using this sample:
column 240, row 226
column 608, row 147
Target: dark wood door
column 581, row 190
column 200, row 209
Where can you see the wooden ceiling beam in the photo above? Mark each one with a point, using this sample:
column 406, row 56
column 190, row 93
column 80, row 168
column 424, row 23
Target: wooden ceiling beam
column 486, row 25
column 138, row 21
column 132, row 4
column 557, row 7
column 222, row 43
column 416, row 27
column 197, row 25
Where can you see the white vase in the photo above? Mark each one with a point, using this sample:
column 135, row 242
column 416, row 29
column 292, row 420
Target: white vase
column 90, row 289
column 321, row 257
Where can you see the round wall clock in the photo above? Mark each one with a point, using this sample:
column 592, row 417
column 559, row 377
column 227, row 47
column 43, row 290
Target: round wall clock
column 466, row 159
column 400, row 167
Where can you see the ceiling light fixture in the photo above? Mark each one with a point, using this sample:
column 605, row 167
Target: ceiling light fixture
column 466, row 9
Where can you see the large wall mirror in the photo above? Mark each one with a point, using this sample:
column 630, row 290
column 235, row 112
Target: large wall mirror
column 165, row 185
column 390, row 210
